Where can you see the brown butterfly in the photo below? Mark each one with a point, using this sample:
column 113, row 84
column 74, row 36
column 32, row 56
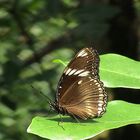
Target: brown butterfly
column 80, row 92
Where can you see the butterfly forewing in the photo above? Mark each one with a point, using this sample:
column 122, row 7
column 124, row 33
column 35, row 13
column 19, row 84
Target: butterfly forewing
column 86, row 60
column 80, row 91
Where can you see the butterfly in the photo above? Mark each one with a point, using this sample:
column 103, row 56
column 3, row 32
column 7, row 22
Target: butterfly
column 80, row 93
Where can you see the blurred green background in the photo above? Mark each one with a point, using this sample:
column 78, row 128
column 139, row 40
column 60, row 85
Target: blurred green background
column 34, row 33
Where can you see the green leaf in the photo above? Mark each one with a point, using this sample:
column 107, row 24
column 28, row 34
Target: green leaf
column 119, row 71
column 117, row 115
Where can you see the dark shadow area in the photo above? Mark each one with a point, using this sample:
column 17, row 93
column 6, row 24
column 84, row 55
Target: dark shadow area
column 72, row 120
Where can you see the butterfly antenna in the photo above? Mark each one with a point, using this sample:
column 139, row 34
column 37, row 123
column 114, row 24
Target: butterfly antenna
column 42, row 94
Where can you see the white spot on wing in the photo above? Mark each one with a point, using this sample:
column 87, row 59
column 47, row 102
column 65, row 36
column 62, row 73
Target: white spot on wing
column 100, row 105
column 95, row 81
column 84, row 73
column 79, row 71
column 101, row 97
column 72, row 71
column 68, row 71
column 100, row 91
column 100, row 109
column 79, row 82
column 82, row 53
column 100, row 102
column 99, row 88
column 96, row 84
column 99, row 112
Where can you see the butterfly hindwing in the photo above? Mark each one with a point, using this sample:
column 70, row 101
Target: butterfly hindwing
column 86, row 97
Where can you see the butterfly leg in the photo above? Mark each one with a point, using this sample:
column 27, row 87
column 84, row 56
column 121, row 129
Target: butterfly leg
column 77, row 120
column 61, row 121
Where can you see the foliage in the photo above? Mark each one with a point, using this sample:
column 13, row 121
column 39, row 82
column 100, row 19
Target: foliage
column 117, row 114
column 119, row 71
column 32, row 34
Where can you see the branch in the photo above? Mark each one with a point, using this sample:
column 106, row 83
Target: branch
column 53, row 45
